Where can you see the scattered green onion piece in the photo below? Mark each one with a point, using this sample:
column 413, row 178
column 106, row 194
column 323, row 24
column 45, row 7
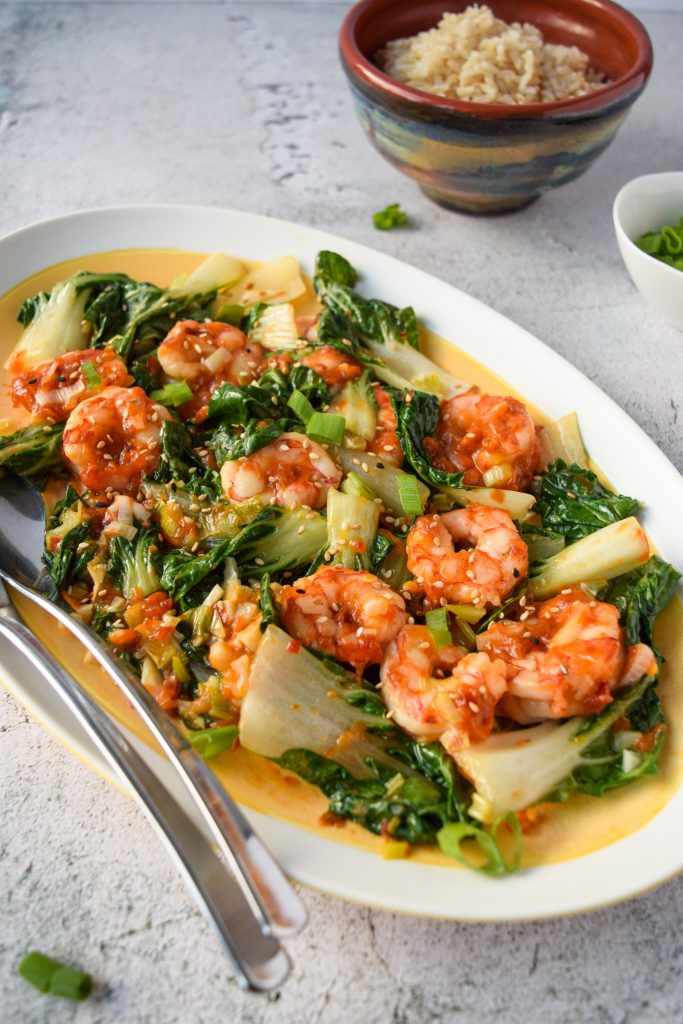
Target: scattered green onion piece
column 179, row 670
column 174, row 394
column 409, row 493
column 392, row 216
column 451, row 837
column 298, row 402
column 48, row 975
column 466, row 612
column 437, row 624
column 92, row 377
column 326, row 427
column 210, row 742
column 354, row 484
column 467, row 634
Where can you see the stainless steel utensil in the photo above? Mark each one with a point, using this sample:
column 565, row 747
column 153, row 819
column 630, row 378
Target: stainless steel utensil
column 276, row 907
column 259, row 961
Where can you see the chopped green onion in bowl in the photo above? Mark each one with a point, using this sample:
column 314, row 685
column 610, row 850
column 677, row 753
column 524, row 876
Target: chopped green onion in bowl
column 665, row 245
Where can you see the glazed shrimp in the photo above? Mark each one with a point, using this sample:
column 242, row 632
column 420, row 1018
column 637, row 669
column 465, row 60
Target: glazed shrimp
column 566, row 658
column 206, row 355
column 480, row 435
column 53, row 390
column 493, row 556
column 290, row 471
column 347, row 613
column 442, row 693
column 112, row 439
column 335, row 367
column 385, row 444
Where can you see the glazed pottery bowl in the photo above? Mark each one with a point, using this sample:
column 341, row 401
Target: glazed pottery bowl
column 648, row 204
column 483, row 157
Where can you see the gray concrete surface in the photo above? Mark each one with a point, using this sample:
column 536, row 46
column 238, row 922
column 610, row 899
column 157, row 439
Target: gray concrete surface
column 244, row 105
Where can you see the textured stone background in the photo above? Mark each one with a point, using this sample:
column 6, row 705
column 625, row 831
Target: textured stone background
column 244, row 105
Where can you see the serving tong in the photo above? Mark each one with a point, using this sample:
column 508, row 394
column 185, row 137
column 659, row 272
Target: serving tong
column 250, row 906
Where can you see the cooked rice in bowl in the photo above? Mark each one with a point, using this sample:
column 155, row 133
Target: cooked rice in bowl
column 476, row 56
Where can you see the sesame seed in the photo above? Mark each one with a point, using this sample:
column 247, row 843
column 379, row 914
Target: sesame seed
column 564, row 670
column 524, row 616
column 438, row 584
column 322, row 618
column 425, row 645
column 473, row 707
column 259, row 561
column 567, row 590
column 359, row 631
column 301, row 528
column 101, row 444
column 469, row 574
column 411, row 620
column 522, row 600
column 387, row 447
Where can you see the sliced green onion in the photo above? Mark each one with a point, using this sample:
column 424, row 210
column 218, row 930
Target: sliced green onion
column 298, row 402
column 466, row 612
column 409, row 493
column 92, row 377
column 326, row 427
column 49, row 975
column 353, row 484
column 174, row 394
column 437, row 624
column 452, row 836
column 467, row 634
column 210, row 742
column 392, row 216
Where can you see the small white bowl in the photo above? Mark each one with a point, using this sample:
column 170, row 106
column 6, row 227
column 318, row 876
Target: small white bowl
column 648, row 204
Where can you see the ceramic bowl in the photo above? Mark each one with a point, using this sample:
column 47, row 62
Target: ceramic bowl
column 648, row 204
column 488, row 158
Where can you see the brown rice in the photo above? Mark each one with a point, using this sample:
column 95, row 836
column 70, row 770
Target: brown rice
column 476, row 56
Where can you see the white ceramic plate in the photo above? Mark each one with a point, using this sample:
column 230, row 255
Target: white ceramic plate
column 632, row 865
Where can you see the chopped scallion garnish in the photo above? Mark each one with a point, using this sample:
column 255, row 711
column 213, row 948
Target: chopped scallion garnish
column 354, row 484
column 437, row 624
column 92, row 377
column 174, row 394
column 409, row 493
column 326, row 427
column 392, row 216
column 50, row 976
column 298, row 402
column 210, row 742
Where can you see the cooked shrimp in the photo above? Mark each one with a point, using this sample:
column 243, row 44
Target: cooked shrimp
column 493, row 556
column 566, row 657
column 53, row 390
column 335, row 367
column 479, row 434
column 385, row 444
column 206, row 355
column 347, row 613
column 290, row 471
column 441, row 693
column 112, row 439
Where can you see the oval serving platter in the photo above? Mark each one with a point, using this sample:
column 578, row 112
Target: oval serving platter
column 630, row 865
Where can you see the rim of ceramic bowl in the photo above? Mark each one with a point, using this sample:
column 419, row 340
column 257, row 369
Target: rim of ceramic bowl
column 632, row 186
column 363, row 68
